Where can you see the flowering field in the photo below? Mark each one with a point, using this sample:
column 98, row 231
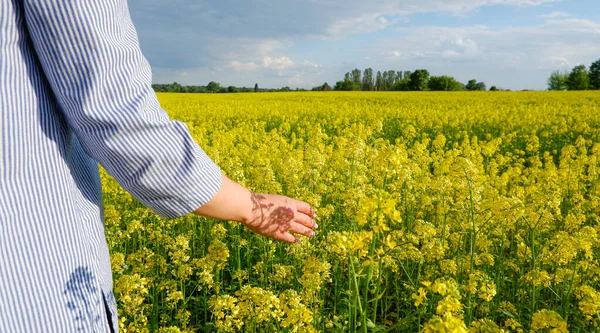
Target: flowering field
column 437, row 212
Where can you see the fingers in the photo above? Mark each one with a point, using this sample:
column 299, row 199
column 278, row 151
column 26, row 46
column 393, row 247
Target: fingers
column 286, row 237
column 278, row 235
column 302, row 230
column 299, row 221
column 306, row 221
column 305, row 208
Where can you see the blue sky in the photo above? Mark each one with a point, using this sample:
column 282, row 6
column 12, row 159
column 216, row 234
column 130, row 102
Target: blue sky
column 513, row 44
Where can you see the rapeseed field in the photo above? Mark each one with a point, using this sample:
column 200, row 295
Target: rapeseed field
column 437, row 212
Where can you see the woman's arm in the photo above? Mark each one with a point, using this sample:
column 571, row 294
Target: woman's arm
column 270, row 215
column 91, row 57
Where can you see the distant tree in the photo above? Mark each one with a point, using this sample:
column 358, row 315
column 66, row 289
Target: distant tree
column 194, row 89
column 176, row 87
column 436, row 83
column 558, row 80
column 493, row 88
column 480, row 86
column 471, row 85
column 338, row 85
column 398, row 76
column 389, row 78
column 222, row 90
column 401, row 85
column 346, row 85
column 594, row 75
column 159, row 87
column 406, row 75
column 578, row 79
column 379, row 82
column 325, row 87
column 285, row 89
column 367, row 80
column 419, row 80
column 444, row 83
column 231, row 89
column 256, row 87
column 385, row 82
column 213, row 87
column 355, row 76
column 384, row 85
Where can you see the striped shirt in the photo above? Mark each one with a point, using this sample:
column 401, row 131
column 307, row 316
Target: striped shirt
column 75, row 91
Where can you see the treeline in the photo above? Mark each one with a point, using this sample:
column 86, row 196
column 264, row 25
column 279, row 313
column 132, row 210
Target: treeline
column 214, row 87
column 580, row 78
column 391, row 80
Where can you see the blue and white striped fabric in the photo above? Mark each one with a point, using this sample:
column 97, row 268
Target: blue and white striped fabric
column 75, row 90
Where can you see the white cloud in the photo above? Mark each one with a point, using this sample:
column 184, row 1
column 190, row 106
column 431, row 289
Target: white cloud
column 557, row 36
column 433, row 42
column 459, row 7
column 574, row 25
column 219, row 28
column 279, row 63
column 311, row 64
column 311, row 67
column 392, row 54
column 248, row 48
column 297, row 80
column 278, row 67
column 375, row 15
column 238, row 41
column 504, row 54
column 307, row 75
column 450, row 54
column 239, row 66
column 554, row 15
column 557, row 62
column 359, row 24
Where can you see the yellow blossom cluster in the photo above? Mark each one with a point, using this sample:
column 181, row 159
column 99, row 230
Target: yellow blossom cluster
column 437, row 212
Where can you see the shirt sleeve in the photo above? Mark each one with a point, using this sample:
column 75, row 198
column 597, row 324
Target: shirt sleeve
column 90, row 54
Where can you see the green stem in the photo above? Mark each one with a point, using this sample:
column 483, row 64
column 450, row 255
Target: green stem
column 357, row 295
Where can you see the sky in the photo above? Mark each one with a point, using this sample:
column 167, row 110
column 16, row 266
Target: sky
column 512, row 44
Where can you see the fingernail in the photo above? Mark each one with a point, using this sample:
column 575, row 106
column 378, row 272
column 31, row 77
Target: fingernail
column 298, row 239
column 314, row 215
column 316, row 225
column 313, row 233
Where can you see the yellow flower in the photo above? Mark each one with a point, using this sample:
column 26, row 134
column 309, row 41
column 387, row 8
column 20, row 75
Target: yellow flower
column 445, row 324
column 548, row 319
column 589, row 301
column 485, row 326
column 420, row 296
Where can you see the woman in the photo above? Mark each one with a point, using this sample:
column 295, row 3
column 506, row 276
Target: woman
column 75, row 91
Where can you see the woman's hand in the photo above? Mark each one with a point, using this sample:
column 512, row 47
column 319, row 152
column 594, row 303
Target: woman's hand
column 277, row 216
column 270, row 215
